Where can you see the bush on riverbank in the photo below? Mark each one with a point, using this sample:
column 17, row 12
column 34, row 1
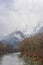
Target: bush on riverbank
column 32, row 47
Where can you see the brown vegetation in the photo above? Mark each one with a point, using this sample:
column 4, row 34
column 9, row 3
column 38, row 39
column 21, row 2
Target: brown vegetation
column 32, row 47
column 4, row 49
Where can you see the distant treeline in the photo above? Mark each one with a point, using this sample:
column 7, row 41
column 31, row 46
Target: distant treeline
column 32, row 47
column 4, row 49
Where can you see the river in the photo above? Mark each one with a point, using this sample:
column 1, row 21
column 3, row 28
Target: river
column 13, row 59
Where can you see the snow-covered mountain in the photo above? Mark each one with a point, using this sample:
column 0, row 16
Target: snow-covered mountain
column 15, row 37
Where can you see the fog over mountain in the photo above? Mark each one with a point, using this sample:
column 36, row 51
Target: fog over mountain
column 17, row 14
column 38, row 28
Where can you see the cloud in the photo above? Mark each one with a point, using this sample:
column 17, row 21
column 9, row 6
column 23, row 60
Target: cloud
column 18, row 13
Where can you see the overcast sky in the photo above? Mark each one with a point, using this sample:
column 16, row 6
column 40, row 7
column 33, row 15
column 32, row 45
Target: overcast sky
column 18, row 13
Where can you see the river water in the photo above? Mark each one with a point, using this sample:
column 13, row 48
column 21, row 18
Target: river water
column 13, row 59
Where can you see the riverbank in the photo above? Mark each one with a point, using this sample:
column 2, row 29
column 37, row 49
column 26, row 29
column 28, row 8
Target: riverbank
column 32, row 47
column 8, row 48
column 29, row 60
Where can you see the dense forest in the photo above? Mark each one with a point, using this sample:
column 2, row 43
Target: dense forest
column 33, row 47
